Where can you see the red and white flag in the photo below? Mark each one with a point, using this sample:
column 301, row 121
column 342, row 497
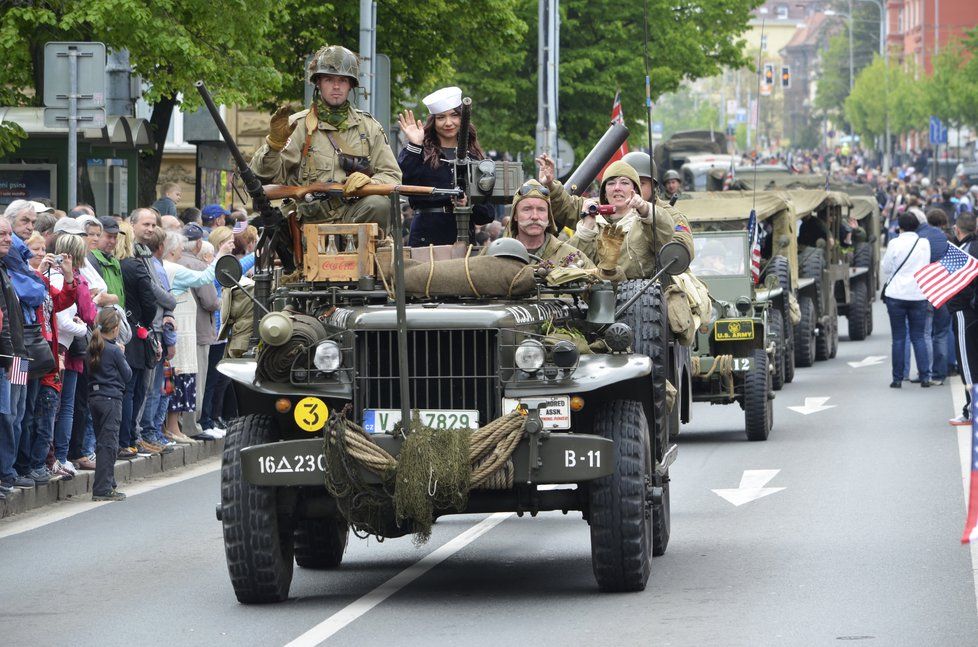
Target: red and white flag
column 948, row 275
column 18, row 370
column 617, row 117
column 970, row 531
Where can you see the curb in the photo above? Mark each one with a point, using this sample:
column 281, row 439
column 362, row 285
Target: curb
column 126, row 470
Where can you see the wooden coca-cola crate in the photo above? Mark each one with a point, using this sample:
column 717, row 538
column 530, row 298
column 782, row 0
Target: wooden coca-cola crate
column 346, row 265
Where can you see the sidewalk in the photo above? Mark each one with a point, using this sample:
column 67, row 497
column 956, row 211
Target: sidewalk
column 23, row 500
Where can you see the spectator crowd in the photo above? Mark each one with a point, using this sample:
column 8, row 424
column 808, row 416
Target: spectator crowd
column 110, row 336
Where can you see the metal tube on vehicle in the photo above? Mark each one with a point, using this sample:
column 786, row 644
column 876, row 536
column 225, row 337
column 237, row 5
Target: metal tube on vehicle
column 401, row 310
column 596, row 160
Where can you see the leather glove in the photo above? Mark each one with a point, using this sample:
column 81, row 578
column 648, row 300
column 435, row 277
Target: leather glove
column 609, row 248
column 279, row 129
column 355, row 182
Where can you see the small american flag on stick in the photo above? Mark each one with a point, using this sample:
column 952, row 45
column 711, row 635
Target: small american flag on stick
column 18, row 370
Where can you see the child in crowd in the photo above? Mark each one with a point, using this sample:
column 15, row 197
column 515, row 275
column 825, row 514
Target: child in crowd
column 108, row 375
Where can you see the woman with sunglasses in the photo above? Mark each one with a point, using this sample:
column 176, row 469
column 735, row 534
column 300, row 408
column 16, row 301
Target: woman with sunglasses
column 425, row 161
column 621, row 188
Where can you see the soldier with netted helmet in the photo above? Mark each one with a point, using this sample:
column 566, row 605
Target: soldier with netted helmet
column 331, row 141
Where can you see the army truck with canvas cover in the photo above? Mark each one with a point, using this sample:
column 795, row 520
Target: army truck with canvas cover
column 743, row 354
column 836, row 251
column 382, row 392
column 859, row 238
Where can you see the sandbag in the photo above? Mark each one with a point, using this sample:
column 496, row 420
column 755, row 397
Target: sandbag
column 680, row 315
column 794, row 310
column 473, row 276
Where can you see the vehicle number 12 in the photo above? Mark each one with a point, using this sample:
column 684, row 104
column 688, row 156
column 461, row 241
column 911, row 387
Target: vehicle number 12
column 590, row 459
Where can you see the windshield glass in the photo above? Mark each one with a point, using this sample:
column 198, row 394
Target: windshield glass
column 719, row 255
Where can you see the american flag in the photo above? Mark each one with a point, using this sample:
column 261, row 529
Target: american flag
column 946, row 276
column 18, row 370
column 970, row 531
column 239, row 227
column 754, row 242
column 616, row 118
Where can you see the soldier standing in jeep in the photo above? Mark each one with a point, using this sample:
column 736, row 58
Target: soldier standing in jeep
column 331, row 142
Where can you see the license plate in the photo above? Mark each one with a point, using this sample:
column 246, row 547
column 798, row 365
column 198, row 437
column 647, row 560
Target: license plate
column 733, row 329
column 554, row 410
column 382, row 421
column 742, row 363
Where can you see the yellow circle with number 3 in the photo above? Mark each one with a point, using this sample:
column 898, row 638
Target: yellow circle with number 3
column 311, row 414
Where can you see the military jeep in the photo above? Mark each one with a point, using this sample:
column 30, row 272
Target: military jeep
column 743, row 353
column 593, row 420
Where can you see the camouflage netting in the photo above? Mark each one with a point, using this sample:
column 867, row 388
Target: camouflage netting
column 434, row 471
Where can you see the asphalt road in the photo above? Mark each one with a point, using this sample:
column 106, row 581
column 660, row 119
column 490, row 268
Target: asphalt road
column 861, row 544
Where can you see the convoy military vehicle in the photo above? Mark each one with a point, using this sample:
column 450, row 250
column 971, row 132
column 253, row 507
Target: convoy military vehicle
column 373, row 405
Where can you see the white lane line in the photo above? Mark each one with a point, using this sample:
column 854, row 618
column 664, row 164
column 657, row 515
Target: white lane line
column 357, row 608
column 964, row 452
column 79, row 505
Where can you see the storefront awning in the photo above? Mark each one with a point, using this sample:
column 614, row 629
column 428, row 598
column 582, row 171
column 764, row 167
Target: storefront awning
column 119, row 131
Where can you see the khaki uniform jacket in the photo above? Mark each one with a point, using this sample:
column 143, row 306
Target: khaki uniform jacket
column 637, row 259
column 555, row 251
column 362, row 136
column 237, row 318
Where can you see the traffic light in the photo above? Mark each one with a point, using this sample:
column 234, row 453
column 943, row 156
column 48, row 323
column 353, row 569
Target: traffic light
column 785, row 77
column 768, row 74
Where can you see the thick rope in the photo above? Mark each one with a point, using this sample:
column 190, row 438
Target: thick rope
column 468, row 274
column 431, row 271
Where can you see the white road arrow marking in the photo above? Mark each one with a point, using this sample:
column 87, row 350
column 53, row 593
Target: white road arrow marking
column 872, row 360
column 751, row 487
column 813, row 405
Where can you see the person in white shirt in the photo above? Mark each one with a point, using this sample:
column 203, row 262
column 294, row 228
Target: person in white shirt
column 905, row 303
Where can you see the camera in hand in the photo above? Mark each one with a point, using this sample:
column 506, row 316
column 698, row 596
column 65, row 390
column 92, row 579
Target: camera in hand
column 59, row 259
column 603, row 209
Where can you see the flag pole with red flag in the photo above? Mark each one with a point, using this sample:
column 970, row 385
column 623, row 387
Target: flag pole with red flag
column 617, row 117
column 970, row 531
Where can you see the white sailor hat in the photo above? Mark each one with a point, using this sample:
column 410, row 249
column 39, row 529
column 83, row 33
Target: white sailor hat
column 443, row 100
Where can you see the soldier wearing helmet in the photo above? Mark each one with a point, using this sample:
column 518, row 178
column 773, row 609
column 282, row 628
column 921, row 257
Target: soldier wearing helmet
column 672, row 183
column 646, row 170
column 331, row 142
column 532, row 223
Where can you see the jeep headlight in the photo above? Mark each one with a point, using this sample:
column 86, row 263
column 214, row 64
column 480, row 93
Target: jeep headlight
column 530, row 355
column 327, row 357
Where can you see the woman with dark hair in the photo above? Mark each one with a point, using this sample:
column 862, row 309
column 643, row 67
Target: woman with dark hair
column 424, row 161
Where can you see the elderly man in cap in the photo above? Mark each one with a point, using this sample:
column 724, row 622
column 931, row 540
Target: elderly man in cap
column 331, row 142
column 423, row 162
column 11, row 344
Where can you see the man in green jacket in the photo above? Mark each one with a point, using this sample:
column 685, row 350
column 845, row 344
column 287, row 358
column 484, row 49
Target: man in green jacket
column 107, row 264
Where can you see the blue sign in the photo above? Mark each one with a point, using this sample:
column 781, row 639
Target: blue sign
column 938, row 132
column 657, row 127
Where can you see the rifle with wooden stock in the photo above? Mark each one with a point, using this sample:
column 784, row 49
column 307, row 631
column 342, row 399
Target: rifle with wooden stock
column 324, row 190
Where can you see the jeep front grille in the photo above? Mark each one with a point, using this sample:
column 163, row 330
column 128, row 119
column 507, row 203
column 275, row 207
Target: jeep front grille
column 447, row 369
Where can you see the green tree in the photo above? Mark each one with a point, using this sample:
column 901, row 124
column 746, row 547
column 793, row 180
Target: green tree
column 951, row 92
column 833, row 83
column 884, row 93
column 250, row 52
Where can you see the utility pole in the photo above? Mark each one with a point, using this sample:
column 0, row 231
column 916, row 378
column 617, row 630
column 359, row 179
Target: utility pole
column 548, row 62
column 368, row 53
